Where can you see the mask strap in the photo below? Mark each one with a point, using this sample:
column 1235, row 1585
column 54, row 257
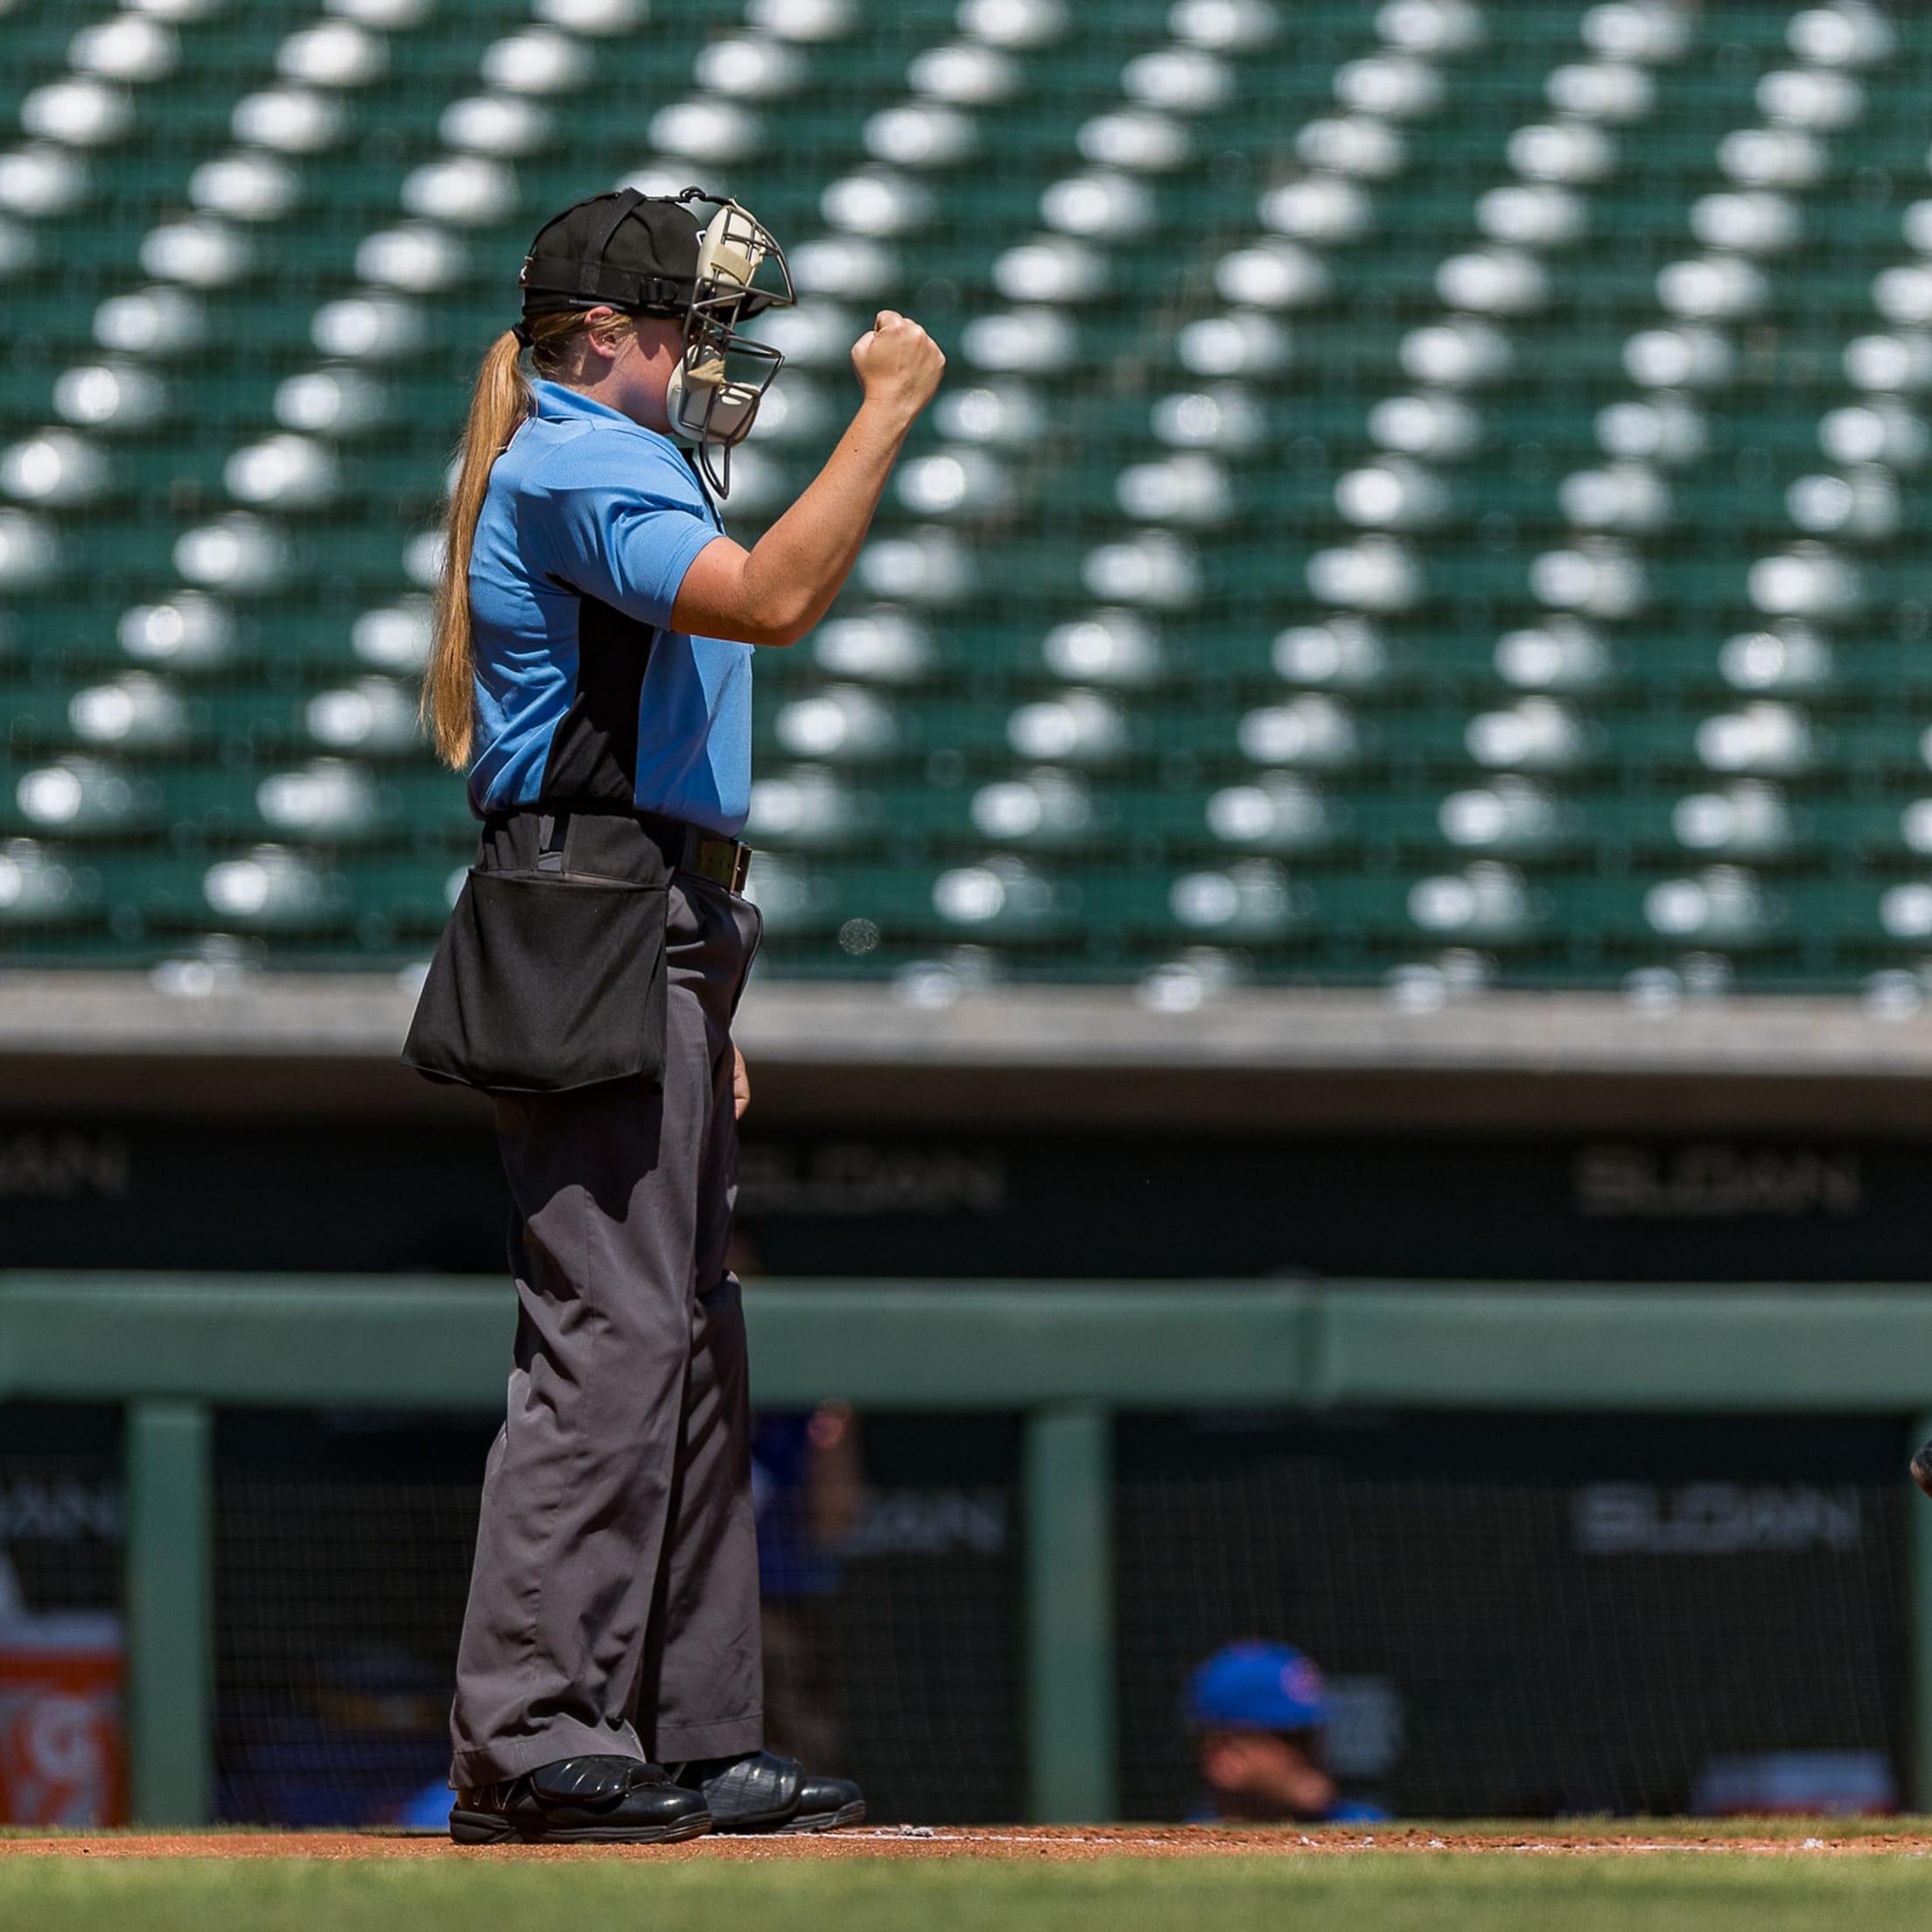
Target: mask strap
column 600, row 239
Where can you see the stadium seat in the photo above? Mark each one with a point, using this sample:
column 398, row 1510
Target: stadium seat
column 1410, row 482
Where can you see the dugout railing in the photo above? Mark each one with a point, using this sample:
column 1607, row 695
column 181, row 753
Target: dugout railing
column 171, row 1349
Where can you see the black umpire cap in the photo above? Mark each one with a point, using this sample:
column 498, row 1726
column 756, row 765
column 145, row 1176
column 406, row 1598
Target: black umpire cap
column 624, row 250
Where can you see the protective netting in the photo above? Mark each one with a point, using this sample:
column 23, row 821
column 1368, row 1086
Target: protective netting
column 923, row 1621
column 62, row 1760
column 1531, row 1616
column 1516, row 1615
column 342, row 1553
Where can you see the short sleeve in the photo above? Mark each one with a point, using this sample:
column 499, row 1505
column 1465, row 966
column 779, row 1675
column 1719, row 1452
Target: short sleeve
column 612, row 526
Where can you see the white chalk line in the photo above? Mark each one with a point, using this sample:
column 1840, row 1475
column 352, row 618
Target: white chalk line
column 1761, row 1848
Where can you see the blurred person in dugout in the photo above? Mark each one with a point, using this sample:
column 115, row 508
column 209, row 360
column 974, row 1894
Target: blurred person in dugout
column 1258, row 1716
column 590, row 673
column 809, row 1489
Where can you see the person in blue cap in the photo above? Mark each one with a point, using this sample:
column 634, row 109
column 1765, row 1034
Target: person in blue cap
column 1258, row 1713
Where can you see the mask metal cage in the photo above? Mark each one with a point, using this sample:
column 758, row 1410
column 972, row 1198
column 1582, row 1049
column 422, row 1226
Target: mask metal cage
column 737, row 249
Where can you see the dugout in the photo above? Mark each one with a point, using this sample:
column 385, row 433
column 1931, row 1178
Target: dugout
column 1573, row 1512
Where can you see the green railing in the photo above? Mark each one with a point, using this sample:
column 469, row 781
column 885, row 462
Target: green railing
column 173, row 1347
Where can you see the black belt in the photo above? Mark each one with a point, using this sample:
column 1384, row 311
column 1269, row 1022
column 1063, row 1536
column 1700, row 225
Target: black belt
column 541, row 838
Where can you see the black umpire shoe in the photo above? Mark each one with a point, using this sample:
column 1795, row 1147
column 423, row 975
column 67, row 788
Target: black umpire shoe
column 763, row 1792
column 581, row 1801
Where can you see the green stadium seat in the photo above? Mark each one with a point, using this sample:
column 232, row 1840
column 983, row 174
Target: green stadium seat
column 1417, row 493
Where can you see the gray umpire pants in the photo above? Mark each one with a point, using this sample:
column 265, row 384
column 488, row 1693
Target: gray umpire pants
column 613, row 1606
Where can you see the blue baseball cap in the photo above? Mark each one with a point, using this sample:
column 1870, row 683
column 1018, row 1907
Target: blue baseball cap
column 1256, row 1686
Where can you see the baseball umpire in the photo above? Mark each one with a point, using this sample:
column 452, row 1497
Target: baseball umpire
column 591, row 672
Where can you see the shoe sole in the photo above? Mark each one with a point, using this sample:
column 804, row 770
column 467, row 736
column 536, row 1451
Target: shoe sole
column 485, row 1828
column 797, row 1827
column 825, row 1821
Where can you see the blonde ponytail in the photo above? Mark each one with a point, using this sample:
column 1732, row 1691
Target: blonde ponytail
column 498, row 405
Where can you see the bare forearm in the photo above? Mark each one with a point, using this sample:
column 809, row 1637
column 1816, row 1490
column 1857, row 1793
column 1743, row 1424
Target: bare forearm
column 775, row 592
column 798, row 566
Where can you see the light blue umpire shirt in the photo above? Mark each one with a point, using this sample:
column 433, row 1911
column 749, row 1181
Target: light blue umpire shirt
column 585, row 695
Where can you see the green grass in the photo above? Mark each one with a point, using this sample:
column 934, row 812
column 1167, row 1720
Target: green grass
column 1368, row 1893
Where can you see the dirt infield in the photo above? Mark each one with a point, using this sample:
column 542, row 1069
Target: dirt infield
column 1053, row 1844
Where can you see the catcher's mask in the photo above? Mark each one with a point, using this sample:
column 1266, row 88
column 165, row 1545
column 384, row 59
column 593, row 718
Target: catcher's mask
column 650, row 254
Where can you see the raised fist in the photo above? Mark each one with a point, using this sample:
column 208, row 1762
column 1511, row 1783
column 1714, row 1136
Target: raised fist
column 897, row 363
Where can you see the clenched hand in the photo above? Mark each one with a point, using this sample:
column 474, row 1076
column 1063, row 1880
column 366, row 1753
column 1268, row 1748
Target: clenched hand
column 898, row 364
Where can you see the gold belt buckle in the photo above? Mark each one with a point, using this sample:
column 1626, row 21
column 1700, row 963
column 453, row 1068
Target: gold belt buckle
column 724, row 862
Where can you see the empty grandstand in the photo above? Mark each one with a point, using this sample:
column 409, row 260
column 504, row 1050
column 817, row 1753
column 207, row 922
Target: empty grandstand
column 1420, row 495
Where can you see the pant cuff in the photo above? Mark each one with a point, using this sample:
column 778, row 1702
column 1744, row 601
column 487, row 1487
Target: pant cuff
column 731, row 1737
column 495, row 1763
